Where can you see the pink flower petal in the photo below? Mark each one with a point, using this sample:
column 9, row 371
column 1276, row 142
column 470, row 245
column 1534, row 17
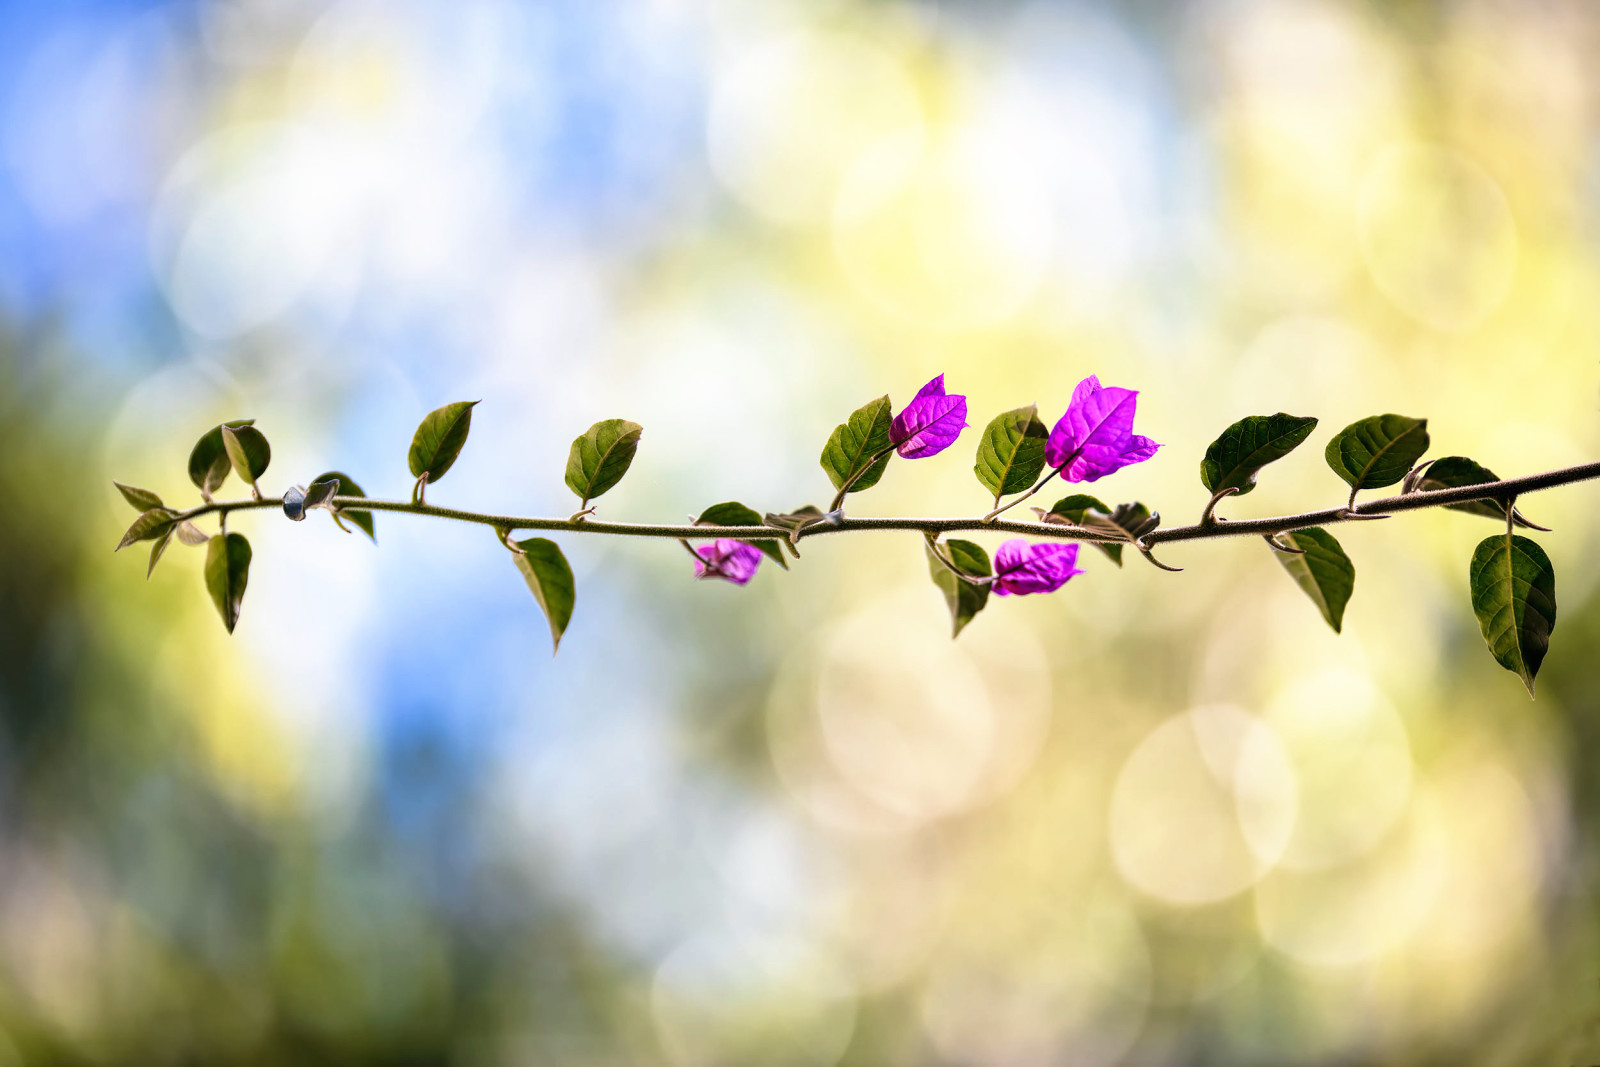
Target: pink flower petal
column 1022, row 567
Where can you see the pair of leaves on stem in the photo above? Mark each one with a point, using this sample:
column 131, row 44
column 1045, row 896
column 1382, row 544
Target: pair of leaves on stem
column 157, row 523
column 1129, row 522
column 235, row 446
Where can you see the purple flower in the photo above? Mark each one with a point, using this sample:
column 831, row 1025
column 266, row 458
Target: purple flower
column 725, row 558
column 930, row 423
column 1095, row 436
column 1022, row 567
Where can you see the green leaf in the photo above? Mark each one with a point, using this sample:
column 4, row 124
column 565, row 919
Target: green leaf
column 208, row 461
column 1321, row 569
column 227, row 573
column 1081, row 509
column 247, row 451
column 150, row 524
column 1451, row 472
column 852, row 454
column 964, row 598
column 1011, row 451
column 348, row 487
column 438, row 440
column 600, row 457
column 1234, row 459
column 192, row 535
column 141, row 499
column 1514, row 596
column 733, row 513
column 1377, row 451
column 157, row 549
column 545, row 570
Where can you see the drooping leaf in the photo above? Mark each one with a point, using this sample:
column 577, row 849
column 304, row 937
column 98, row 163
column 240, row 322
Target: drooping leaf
column 227, row 574
column 965, row 599
column 733, row 513
column 140, row 499
column 858, row 449
column 1450, row 472
column 247, row 451
column 1322, row 569
column 438, row 440
column 600, row 456
column 1081, row 509
column 1011, row 451
column 208, row 461
column 1234, row 459
column 793, row 522
column 1377, row 451
column 157, row 549
column 148, row 525
column 545, row 569
column 1514, row 596
column 348, row 487
column 192, row 535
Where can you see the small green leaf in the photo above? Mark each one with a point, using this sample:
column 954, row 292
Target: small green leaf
column 192, row 535
column 247, row 451
column 227, row 573
column 157, row 549
column 1451, row 472
column 733, row 513
column 320, row 492
column 964, row 598
column 208, row 462
column 600, row 456
column 1377, row 451
column 1011, row 451
column 1321, row 569
column 1234, row 459
column 141, row 499
column 438, row 440
column 857, row 451
column 545, row 570
column 1514, row 596
column 348, row 487
column 149, row 525
column 792, row 522
column 1081, row 509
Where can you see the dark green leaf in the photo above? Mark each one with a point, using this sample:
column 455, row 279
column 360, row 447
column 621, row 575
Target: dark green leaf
column 1011, row 451
column 141, row 499
column 1377, row 451
column 964, row 598
column 600, row 457
column 150, row 524
column 247, row 451
column 438, row 440
column 208, row 462
column 1451, row 472
column 733, row 513
column 157, row 549
column 1321, row 569
column 191, row 535
column 1514, row 596
column 1081, row 509
column 320, row 492
column 1234, row 459
column 227, row 573
column 545, row 570
column 857, row 451
column 348, row 487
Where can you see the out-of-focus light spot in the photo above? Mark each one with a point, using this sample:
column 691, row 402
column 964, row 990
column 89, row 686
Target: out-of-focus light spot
column 1352, row 763
column 730, row 997
column 1299, row 362
column 1203, row 807
column 886, row 917
column 957, row 231
column 789, row 116
column 1437, row 235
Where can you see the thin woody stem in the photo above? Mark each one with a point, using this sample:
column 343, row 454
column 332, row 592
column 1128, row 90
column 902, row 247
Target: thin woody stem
column 997, row 512
column 844, row 490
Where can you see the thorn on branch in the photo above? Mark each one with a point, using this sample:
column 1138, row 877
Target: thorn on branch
column 1209, row 516
column 1272, row 539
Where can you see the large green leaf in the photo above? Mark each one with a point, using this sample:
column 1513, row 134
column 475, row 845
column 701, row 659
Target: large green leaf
column 1377, row 451
column 1011, row 451
column 1321, row 569
column 139, row 499
column 348, row 487
column 438, row 440
column 545, row 569
column 1234, row 459
column 1081, row 509
column 964, row 598
column 227, row 573
column 1451, row 472
column 248, row 452
column 149, row 525
column 600, row 457
column 733, row 513
column 1514, row 596
column 857, row 451
column 208, row 461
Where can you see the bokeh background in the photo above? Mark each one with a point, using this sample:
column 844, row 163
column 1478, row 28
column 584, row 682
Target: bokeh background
column 1156, row 819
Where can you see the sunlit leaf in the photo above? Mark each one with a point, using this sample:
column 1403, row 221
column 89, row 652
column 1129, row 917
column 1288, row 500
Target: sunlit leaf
column 140, row 499
column 1011, row 451
column 208, row 461
column 600, row 456
column 545, row 570
column 965, row 599
column 733, row 513
column 247, row 451
column 1514, row 596
column 438, row 440
column 1321, row 569
column 150, row 524
column 192, row 535
column 227, row 573
column 348, row 487
column 1377, row 451
column 858, row 449
column 1081, row 509
column 1234, row 459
